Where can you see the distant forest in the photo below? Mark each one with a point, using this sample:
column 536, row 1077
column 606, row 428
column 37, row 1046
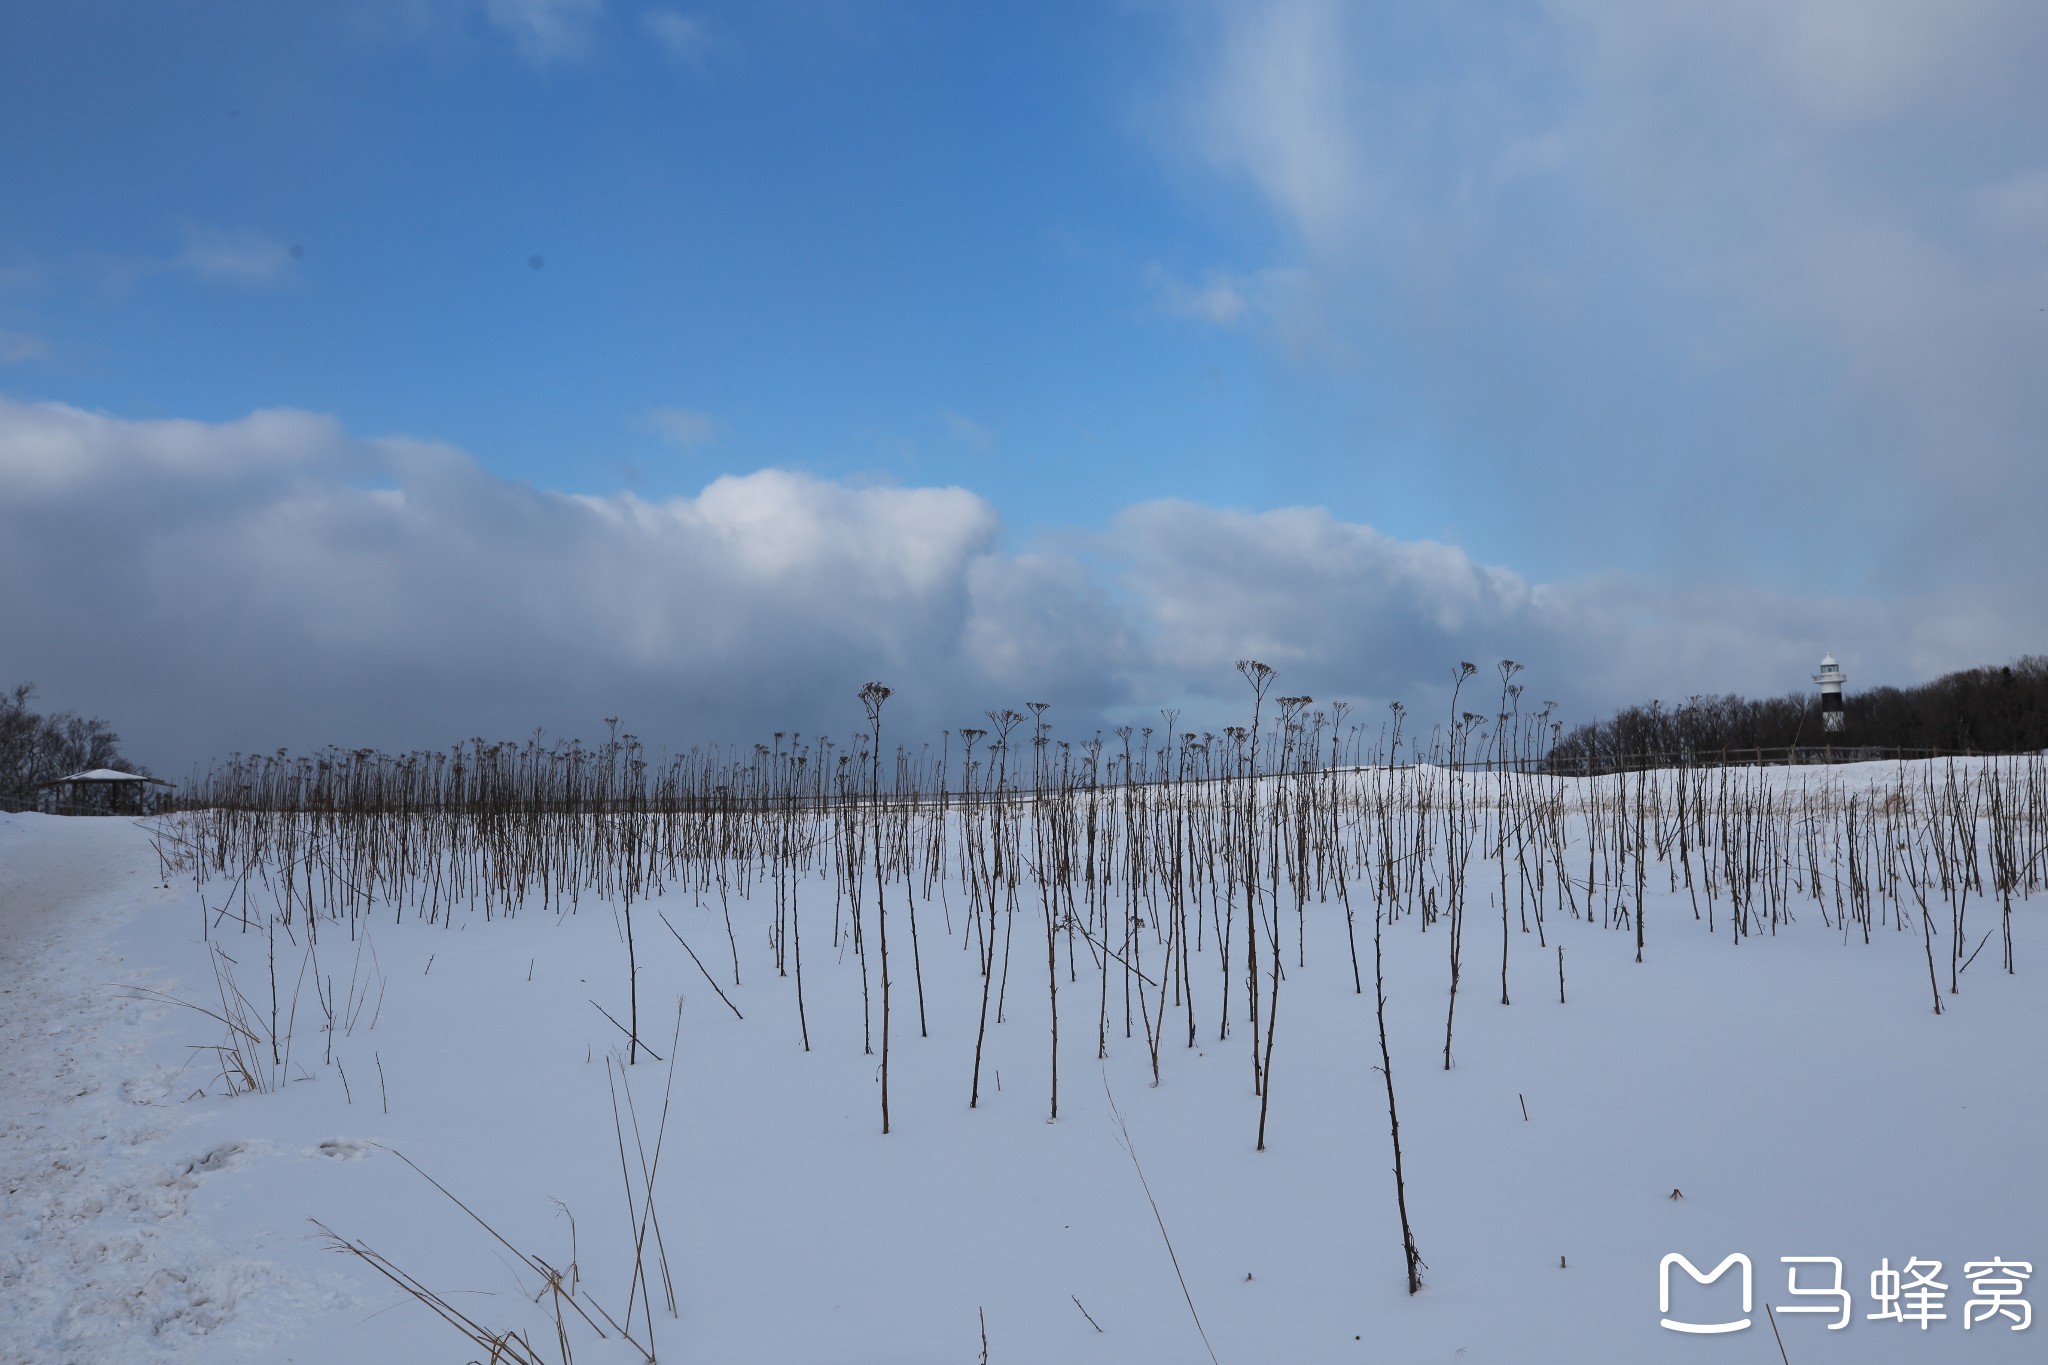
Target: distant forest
column 1979, row 710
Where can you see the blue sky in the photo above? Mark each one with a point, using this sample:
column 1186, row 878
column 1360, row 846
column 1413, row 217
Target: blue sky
column 1666, row 345
column 827, row 229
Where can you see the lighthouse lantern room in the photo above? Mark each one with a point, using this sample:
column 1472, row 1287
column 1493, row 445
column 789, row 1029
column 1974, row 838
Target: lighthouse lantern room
column 1830, row 679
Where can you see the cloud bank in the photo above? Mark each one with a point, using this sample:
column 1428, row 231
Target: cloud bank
column 1782, row 262
column 275, row 581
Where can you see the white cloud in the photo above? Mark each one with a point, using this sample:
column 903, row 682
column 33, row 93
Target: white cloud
column 1043, row 623
column 683, row 37
column 63, row 454
column 1343, row 610
column 274, row 581
column 1728, row 245
column 546, row 31
column 271, row 581
column 976, row 436
column 2015, row 206
column 1279, row 303
column 1835, row 62
column 241, row 257
column 1276, row 107
column 18, row 348
column 684, row 427
column 1219, row 299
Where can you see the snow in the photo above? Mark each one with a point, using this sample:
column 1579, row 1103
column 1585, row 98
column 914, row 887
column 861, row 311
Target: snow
column 105, row 775
column 104, row 1250
column 1796, row 1088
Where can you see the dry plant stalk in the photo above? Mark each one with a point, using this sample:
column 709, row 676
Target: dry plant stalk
column 1131, row 1150
column 569, row 1299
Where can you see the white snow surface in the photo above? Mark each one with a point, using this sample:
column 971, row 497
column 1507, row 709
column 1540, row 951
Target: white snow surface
column 106, row 775
column 1796, row 1088
column 107, row 1249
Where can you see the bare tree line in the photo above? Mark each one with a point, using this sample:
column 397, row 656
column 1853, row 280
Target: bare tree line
column 1980, row 710
column 37, row 748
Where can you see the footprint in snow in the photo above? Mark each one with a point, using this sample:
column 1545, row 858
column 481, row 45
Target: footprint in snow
column 344, row 1149
column 225, row 1157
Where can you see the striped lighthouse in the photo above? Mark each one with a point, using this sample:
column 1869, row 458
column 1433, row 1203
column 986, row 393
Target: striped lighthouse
column 1830, row 679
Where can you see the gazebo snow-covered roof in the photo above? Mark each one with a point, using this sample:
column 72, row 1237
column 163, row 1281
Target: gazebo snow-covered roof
column 101, row 791
column 102, row 775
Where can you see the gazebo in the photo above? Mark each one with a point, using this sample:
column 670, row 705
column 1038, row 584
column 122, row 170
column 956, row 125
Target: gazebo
column 105, row 791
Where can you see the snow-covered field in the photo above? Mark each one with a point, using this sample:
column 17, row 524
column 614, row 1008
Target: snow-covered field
column 1794, row 1087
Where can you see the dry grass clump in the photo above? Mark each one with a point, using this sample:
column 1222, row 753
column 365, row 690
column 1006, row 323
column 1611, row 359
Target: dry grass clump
column 571, row 1308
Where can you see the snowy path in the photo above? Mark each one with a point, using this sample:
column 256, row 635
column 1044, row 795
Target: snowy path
column 99, row 1259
